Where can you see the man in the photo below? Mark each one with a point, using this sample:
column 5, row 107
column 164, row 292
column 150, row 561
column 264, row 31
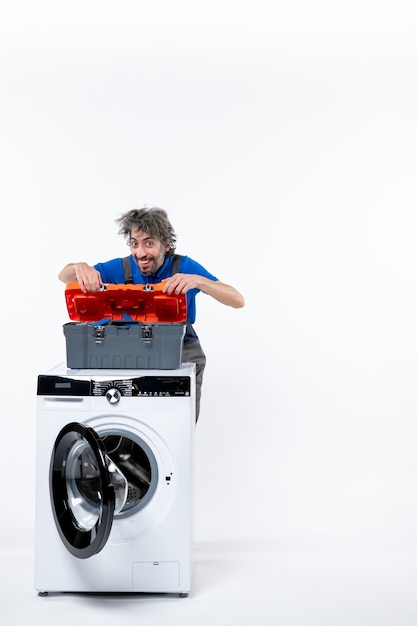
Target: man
column 152, row 242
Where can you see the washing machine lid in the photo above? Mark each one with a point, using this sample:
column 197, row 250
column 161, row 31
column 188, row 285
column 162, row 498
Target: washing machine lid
column 82, row 493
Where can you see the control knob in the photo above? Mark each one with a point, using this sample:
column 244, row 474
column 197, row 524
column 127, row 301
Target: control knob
column 113, row 395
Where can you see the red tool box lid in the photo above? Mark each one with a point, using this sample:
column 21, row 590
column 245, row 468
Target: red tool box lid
column 141, row 303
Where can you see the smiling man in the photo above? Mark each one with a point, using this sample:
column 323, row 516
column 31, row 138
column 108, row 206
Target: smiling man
column 152, row 242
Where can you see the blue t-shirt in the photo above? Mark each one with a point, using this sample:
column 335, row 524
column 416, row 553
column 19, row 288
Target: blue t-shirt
column 111, row 272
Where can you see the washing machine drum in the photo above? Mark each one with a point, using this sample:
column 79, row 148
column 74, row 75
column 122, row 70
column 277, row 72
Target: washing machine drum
column 87, row 490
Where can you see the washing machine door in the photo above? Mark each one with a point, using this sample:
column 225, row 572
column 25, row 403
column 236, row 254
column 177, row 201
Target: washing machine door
column 82, row 491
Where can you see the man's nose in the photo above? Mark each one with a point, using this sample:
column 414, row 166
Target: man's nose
column 140, row 251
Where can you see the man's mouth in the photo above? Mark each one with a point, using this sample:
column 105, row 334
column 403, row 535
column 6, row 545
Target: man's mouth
column 145, row 265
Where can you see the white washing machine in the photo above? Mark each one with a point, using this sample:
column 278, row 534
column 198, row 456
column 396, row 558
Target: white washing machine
column 114, row 480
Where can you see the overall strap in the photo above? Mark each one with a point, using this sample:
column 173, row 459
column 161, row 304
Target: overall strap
column 176, row 263
column 127, row 269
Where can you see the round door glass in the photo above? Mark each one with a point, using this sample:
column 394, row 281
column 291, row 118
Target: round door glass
column 83, row 482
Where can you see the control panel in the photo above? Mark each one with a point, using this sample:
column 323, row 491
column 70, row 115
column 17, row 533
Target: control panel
column 140, row 386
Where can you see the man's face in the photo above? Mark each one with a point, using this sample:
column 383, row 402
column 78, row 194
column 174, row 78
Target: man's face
column 148, row 252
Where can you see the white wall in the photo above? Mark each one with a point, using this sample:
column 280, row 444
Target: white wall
column 281, row 138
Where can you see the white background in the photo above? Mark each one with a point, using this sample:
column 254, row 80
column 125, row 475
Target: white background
column 281, row 139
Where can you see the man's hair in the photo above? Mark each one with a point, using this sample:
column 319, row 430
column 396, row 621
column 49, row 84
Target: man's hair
column 151, row 220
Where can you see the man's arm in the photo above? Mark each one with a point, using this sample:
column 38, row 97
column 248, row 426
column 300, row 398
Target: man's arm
column 226, row 294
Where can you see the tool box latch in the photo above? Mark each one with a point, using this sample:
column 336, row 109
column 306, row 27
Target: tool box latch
column 146, row 334
column 98, row 333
